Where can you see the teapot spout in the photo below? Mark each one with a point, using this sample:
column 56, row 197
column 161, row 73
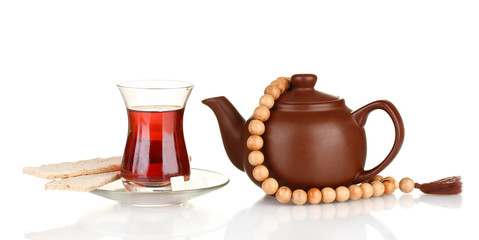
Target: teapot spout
column 231, row 125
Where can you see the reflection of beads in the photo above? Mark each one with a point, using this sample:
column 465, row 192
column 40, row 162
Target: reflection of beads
column 377, row 186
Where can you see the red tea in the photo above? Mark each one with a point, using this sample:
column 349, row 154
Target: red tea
column 155, row 149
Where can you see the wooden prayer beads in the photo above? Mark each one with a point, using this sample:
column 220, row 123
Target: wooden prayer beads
column 406, row 185
column 255, row 158
column 283, row 194
column 299, row 197
column 389, row 187
column 260, row 173
column 329, row 195
column 314, row 196
column 267, row 101
column 261, row 113
column 375, row 187
column 342, row 194
column 378, row 188
column 355, row 192
column 254, row 142
column 256, row 127
column 273, row 90
column 270, row 186
column 367, row 190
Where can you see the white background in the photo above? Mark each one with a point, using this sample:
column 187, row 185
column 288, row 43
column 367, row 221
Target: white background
column 60, row 62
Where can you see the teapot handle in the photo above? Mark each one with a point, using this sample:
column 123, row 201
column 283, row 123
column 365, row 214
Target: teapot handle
column 361, row 116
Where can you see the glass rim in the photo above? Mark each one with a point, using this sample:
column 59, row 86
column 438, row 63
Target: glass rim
column 155, row 84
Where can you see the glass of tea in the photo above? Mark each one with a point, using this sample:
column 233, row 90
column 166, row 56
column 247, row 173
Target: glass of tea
column 155, row 148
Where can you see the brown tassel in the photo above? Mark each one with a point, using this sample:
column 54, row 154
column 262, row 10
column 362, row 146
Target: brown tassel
column 445, row 186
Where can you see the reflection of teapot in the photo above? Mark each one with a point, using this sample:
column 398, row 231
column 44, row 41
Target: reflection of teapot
column 268, row 219
column 312, row 139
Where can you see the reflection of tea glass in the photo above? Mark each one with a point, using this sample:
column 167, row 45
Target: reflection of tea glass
column 187, row 221
column 155, row 149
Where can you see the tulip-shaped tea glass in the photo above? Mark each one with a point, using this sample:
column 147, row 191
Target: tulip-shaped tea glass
column 155, row 149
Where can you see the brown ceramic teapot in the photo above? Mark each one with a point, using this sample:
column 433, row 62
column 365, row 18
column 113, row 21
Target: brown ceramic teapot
column 312, row 139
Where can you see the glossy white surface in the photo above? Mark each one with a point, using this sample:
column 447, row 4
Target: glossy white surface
column 239, row 212
column 60, row 62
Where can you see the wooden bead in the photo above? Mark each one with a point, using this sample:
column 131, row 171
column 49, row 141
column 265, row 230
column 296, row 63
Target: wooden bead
column 267, row 101
column 299, row 197
column 389, row 178
column 273, row 90
column 254, row 142
column 260, row 173
column 285, row 81
column 329, row 195
column 378, row 188
column 256, row 127
column 377, row 178
column 283, row 194
column 255, row 158
column 355, row 192
column 342, row 193
column 281, row 84
column 406, row 185
column 389, row 187
column 367, row 190
column 396, row 183
column 270, row 186
column 261, row 113
column 314, row 196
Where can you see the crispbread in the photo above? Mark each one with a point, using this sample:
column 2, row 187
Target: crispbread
column 73, row 169
column 83, row 183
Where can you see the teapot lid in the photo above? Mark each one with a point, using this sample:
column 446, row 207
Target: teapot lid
column 302, row 91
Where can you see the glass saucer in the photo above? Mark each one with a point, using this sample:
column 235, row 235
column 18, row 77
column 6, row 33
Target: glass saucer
column 201, row 182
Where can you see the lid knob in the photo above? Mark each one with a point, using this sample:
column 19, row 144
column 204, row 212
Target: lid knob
column 303, row 92
column 304, row 80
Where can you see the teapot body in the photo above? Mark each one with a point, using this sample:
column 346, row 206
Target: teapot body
column 311, row 146
column 311, row 139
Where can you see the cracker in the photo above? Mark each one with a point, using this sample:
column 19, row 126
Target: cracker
column 73, row 169
column 84, row 183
